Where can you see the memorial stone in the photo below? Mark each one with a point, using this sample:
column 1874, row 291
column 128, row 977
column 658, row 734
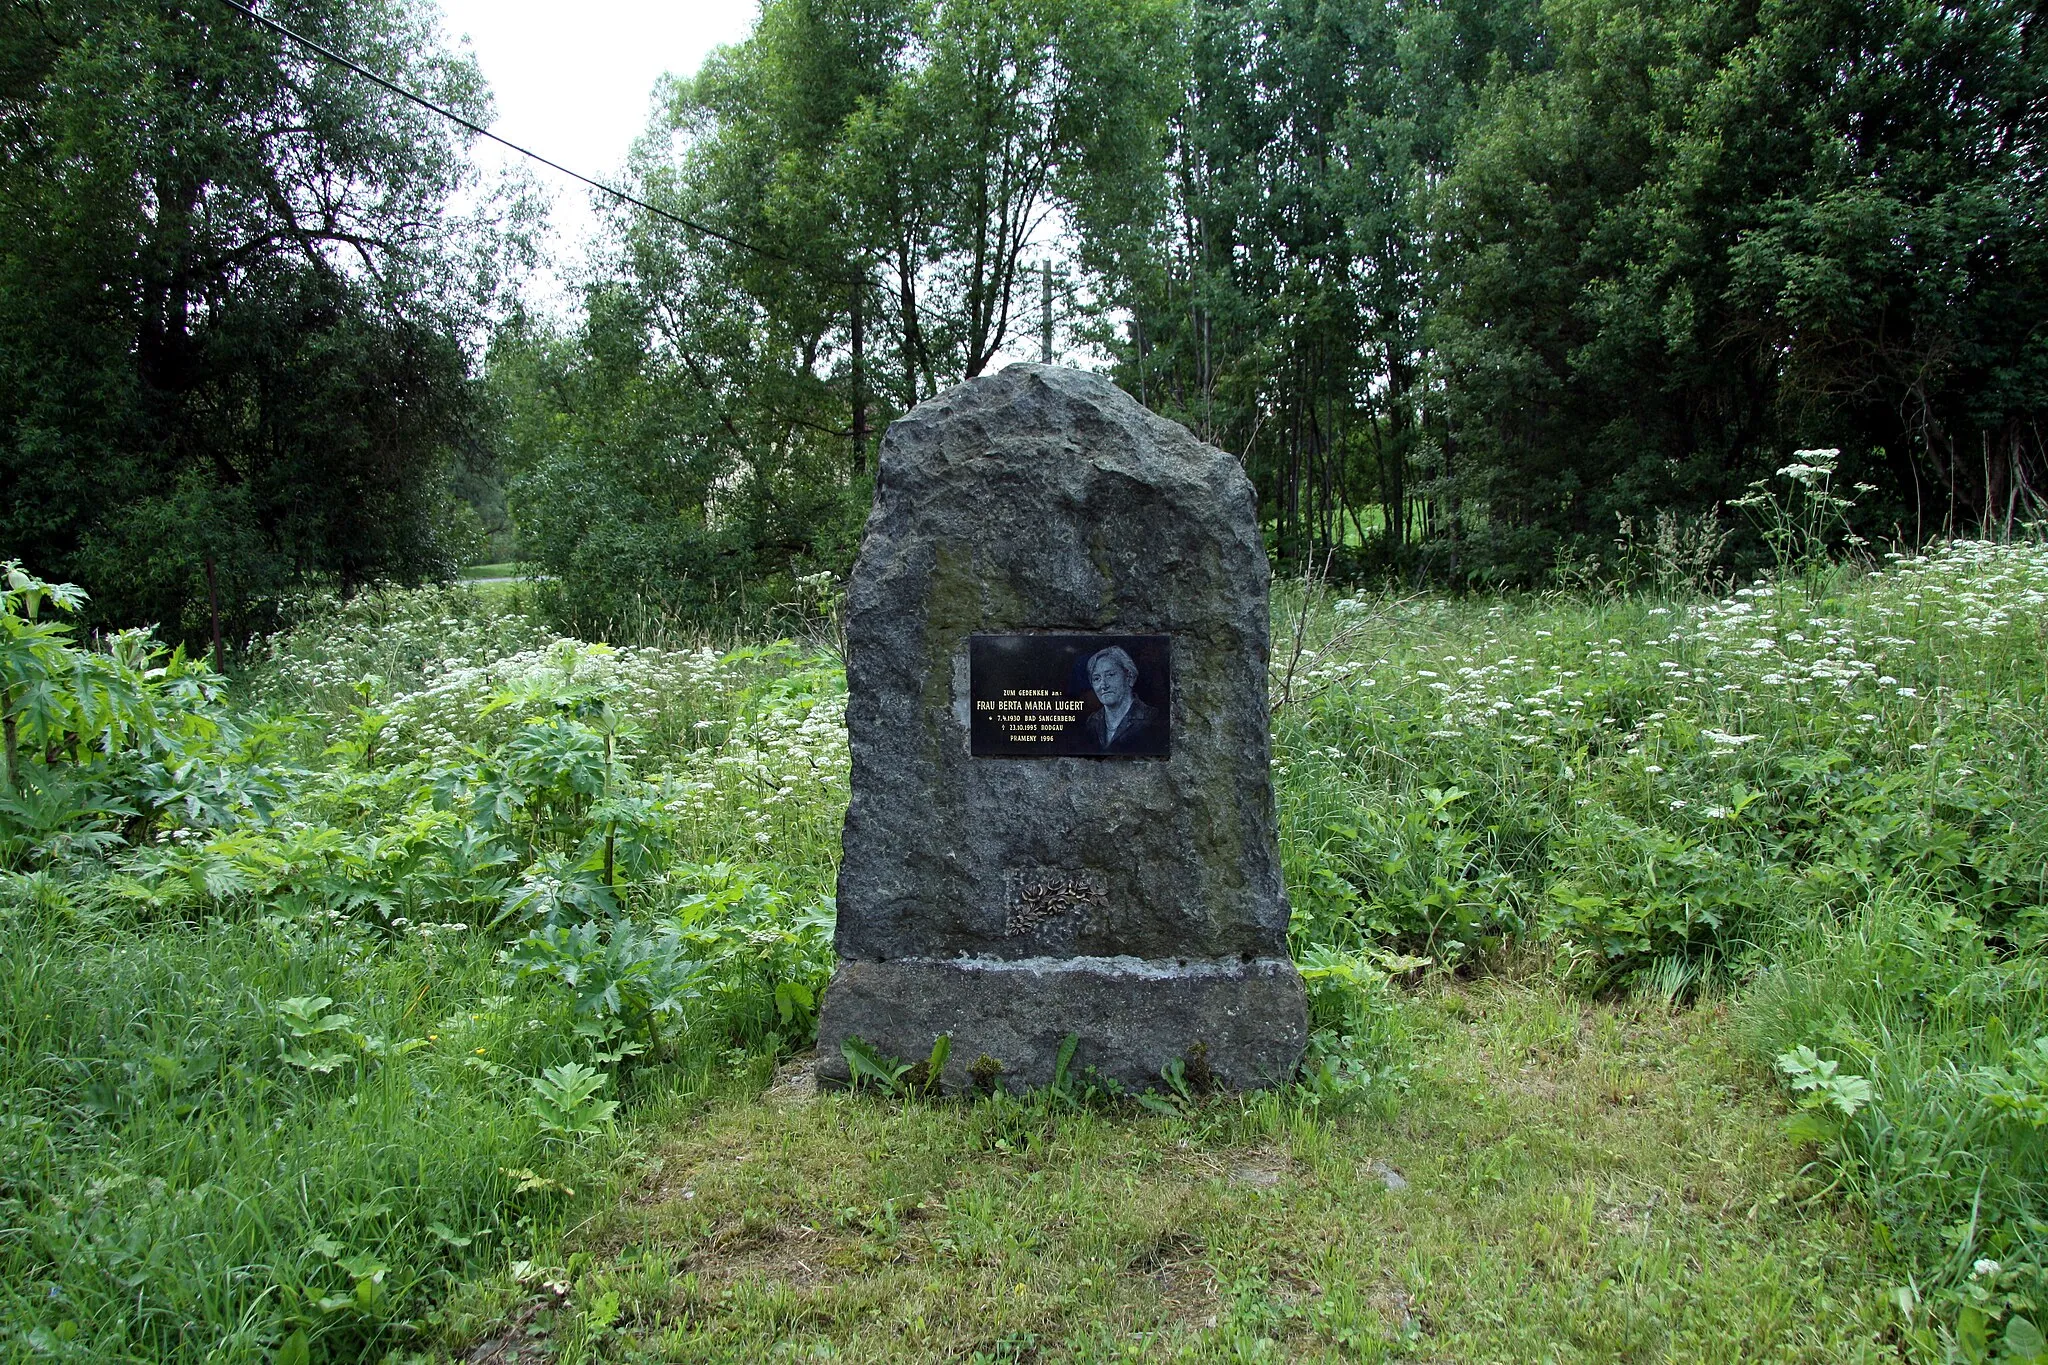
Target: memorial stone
column 1062, row 817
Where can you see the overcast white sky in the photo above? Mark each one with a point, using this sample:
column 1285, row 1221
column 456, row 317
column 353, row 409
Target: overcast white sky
column 575, row 82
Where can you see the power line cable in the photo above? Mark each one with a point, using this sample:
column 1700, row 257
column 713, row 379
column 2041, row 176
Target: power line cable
column 331, row 55
column 322, row 50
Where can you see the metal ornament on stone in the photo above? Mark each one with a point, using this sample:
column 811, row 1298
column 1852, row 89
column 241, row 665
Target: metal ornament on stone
column 1011, row 891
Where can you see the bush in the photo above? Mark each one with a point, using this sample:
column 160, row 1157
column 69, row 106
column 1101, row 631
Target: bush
column 315, row 1004
column 1824, row 794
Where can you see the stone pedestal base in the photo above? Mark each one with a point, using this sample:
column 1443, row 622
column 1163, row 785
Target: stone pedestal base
column 1132, row 1016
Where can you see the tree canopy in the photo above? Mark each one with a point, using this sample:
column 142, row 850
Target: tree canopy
column 1471, row 288
column 1513, row 273
column 889, row 165
column 234, row 299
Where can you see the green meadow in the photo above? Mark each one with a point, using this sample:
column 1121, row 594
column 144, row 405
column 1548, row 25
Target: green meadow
column 440, row 989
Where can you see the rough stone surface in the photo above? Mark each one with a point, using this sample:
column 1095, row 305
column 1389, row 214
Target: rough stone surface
column 1131, row 1017
column 1044, row 499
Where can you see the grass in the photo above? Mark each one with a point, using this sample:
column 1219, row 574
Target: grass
column 1807, row 815
column 1667, row 856
column 506, row 594
column 1949, row 1161
column 272, row 1079
column 1564, row 1180
column 175, row 1180
column 507, row 586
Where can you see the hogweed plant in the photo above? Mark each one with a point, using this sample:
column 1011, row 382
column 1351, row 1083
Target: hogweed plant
column 568, row 1100
column 1803, row 518
column 1826, row 1095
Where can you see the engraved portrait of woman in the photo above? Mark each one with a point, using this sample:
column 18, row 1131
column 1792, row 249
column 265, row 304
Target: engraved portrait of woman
column 1124, row 724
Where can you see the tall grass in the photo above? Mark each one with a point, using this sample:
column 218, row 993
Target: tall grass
column 1947, row 1022
column 1822, row 795
column 499, row 854
column 175, row 1188
column 321, row 1000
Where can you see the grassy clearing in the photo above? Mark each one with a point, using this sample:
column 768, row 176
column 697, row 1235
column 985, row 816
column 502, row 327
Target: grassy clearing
column 514, row 595
column 1805, row 816
column 1564, row 1180
column 1684, row 871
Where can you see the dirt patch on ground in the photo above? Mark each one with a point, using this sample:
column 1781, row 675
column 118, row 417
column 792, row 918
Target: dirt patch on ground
column 1187, row 1290
column 519, row 1341
column 796, row 1083
column 673, row 1176
column 1632, row 1215
column 1395, row 1307
column 1262, row 1167
column 1544, row 1081
column 1178, row 1270
column 800, row 1255
column 1291, row 1285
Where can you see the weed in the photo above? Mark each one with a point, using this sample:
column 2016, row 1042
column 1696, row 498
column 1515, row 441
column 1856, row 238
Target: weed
column 566, row 1100
column 870, row 1068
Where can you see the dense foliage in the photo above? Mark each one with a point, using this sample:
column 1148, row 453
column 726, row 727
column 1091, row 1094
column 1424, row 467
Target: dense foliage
column 340, row 979
column 1470, row 289
column 887, row 167
column 1499, row 275
column 341, row 983
column 336, row 983
column 233, row 301
column 1823, row 795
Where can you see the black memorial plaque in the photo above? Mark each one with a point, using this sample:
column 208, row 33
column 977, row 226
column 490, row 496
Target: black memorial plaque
column 1060, row 696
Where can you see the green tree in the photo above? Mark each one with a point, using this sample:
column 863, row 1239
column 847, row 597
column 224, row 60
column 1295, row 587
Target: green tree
column 1512, row 272
column 629, row 485
column 1276, row 298
column 1892, row 248
column 911, row 152
column 232, row 293
column 1711, row 232
column 888, row 164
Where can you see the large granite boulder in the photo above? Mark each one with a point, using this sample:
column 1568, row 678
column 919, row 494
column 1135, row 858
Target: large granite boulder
column 1120, row 880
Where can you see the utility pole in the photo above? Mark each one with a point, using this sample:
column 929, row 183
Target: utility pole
column 1045, row 312
column 860, row 392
